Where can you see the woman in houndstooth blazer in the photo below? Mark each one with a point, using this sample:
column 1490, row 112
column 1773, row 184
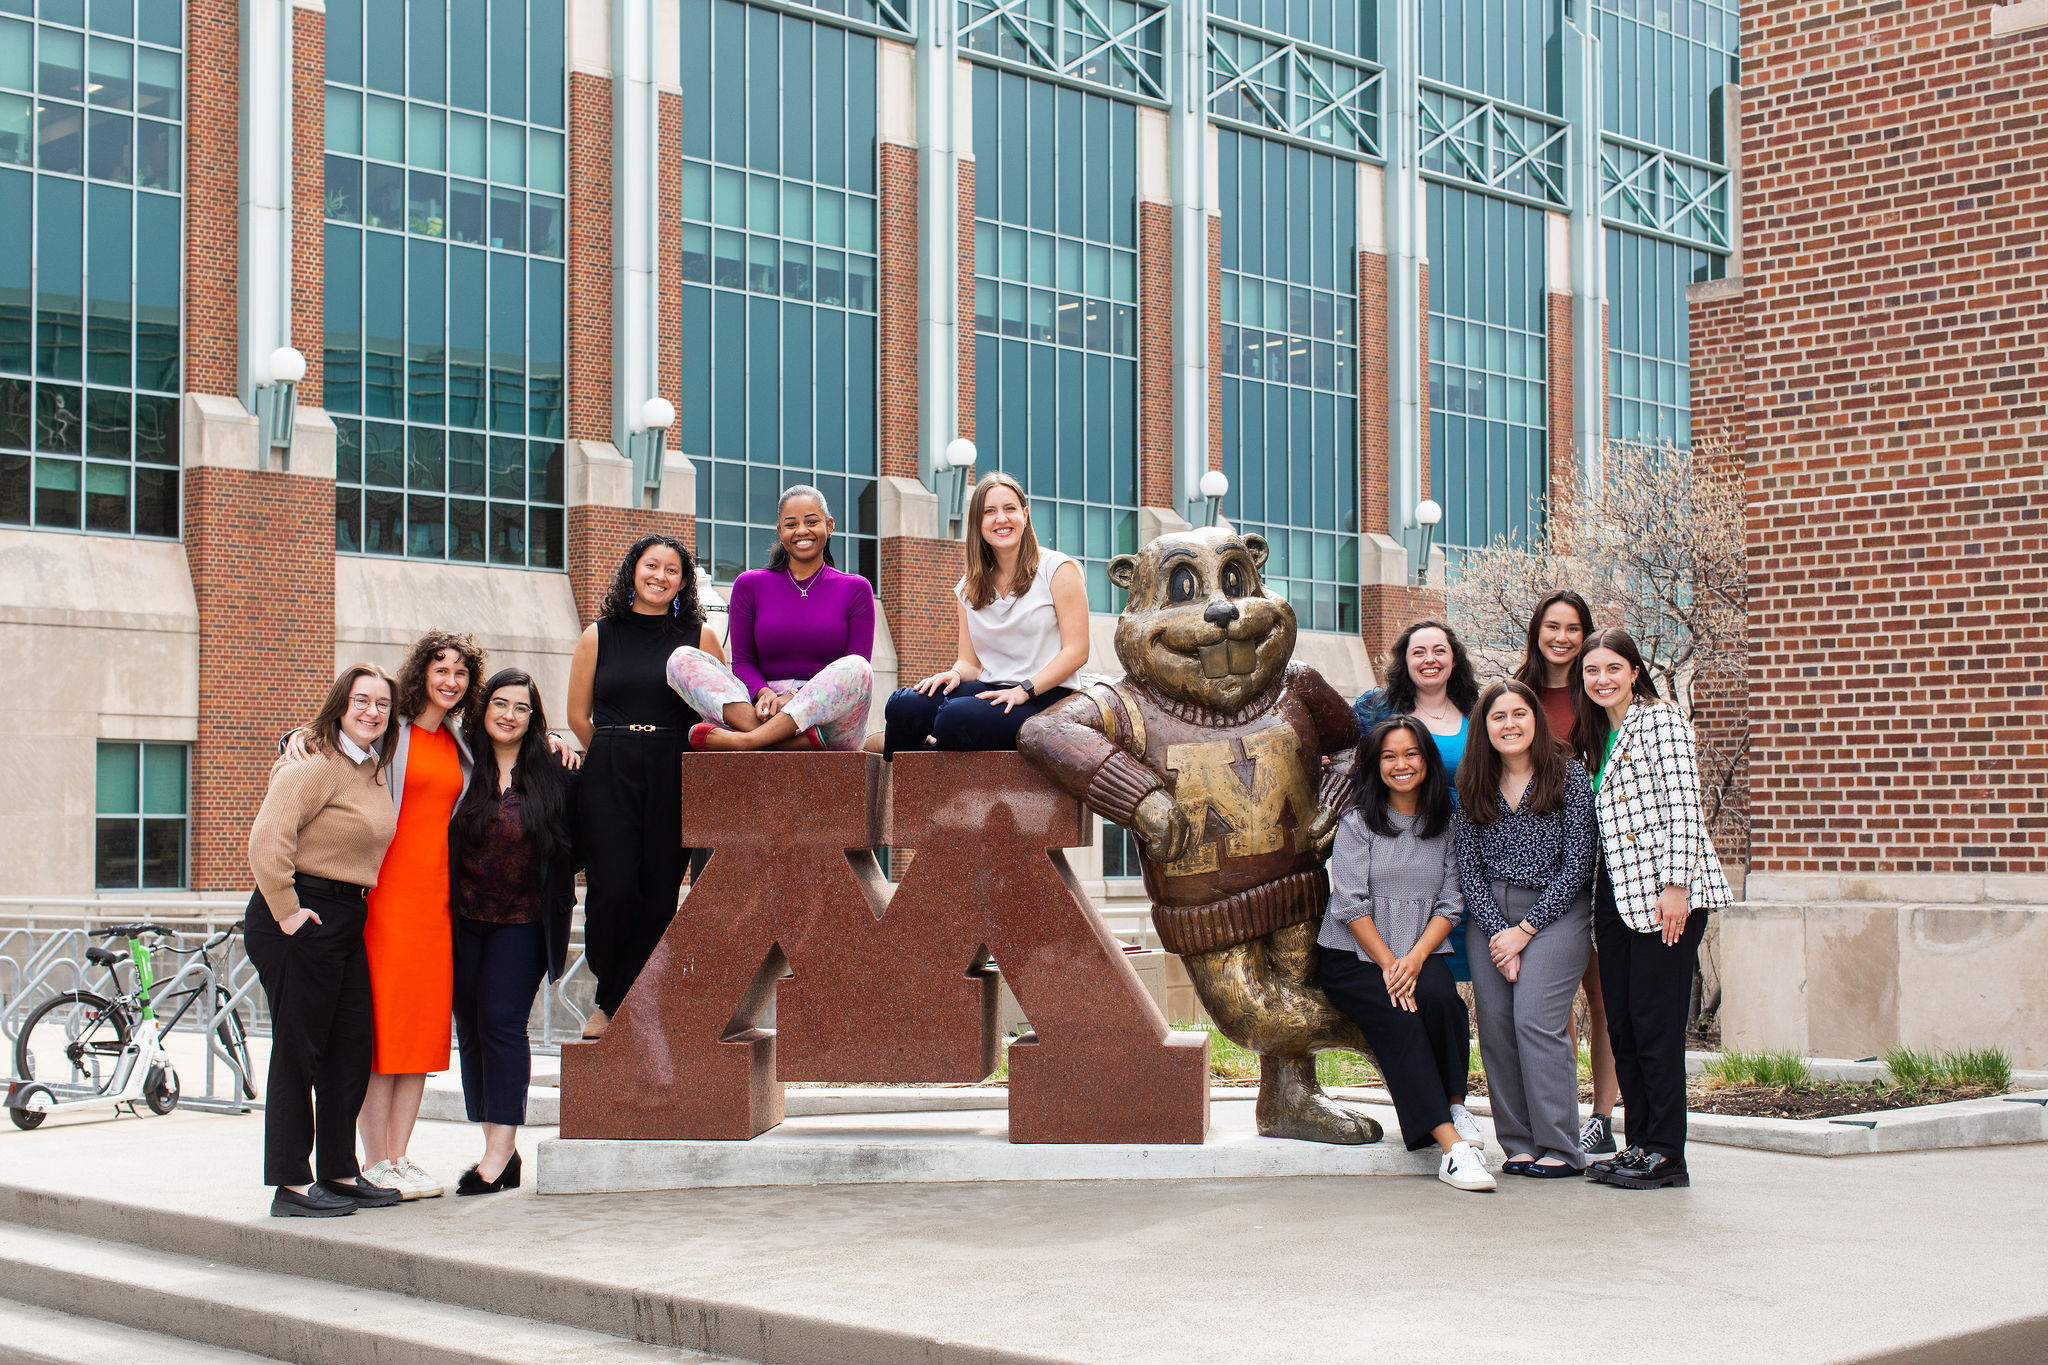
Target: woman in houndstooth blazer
column 1658, row 879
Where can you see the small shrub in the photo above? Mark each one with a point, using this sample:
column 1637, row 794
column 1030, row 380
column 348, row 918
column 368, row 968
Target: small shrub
column 1981, row 1068
column 1771, row 1070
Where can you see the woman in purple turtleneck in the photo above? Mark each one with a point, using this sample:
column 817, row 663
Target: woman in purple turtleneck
column 801, row 633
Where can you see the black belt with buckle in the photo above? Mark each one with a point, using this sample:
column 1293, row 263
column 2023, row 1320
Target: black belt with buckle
column 326, row 886
column 655, row 731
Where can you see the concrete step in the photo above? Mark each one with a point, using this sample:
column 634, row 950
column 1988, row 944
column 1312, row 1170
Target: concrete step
column 41, row 1336
column 285, row 1317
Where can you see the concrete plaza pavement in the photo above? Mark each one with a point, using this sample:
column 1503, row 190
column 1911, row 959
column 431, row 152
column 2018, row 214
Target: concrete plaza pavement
column 1766, row 1258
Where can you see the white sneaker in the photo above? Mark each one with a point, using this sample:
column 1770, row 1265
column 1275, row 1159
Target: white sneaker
column 389, row 1175
column 426, row 1185
column 1467, row 1126
column 1464, row 1168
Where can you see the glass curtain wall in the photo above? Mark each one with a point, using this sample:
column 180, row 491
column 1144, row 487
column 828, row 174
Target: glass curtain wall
column 1488, row 330
column 445, row 219
column 1664, row 65
column 1290, row 368
column 91, row 162
column 1489, row 407
column 778, row 261
column 1055, row 311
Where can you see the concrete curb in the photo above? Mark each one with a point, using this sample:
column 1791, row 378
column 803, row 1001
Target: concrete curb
column 742, row 1331
column 2000, row 1121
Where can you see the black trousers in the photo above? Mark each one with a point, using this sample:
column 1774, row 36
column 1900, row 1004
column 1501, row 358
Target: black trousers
column 630, row 804
column 960, row 720
column 318, row 984
column 1425, row 1056
column 1648, row 989
column 498, row 970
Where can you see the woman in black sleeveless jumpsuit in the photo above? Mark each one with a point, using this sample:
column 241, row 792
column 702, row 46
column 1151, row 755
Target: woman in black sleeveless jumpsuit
column 630, row 804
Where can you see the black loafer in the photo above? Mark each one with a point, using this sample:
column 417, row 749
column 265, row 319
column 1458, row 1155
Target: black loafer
column 1627, row 1158
column 1536, row 1170
column 1655, row 1171
column 362, row 1193
column 317, row 1202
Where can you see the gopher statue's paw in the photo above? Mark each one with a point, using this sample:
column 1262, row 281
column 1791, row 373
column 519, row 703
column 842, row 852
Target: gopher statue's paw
column 1292, row 1105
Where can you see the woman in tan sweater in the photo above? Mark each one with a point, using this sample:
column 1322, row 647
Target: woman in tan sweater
column 315, row 849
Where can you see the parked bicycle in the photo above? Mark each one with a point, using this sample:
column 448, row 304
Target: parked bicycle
column 81, row 1049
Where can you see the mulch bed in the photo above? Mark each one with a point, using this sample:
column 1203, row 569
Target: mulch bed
column 1826, row 1100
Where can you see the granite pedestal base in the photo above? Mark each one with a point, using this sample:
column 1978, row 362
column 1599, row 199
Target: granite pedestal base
column 957, row 1147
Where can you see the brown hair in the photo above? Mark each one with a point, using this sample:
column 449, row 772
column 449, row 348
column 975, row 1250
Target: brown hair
column 1533, row 671
column 412, row 674
column 326, row 726
column 1591, row 722
column 1479, row 769
column 981, row 557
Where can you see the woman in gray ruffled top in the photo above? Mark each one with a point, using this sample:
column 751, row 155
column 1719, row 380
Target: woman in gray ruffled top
column 1394, row 901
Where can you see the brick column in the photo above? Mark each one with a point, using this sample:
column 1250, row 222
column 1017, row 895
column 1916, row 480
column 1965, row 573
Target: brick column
column 1563, row 440
column 1215, row 341
column 669, row 263
column 1155, row 356
column 1716, row 325
column 212, row 181
column 605, row 511
column 309, row 197
column 1388, row 597
column 917, row 564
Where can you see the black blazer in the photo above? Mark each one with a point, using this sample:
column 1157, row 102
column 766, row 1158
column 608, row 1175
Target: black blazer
column 557, row 875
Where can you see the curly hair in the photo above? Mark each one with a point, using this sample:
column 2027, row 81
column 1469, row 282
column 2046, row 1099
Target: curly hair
column 1463, row 685
column 412, row 674
column 687, row 615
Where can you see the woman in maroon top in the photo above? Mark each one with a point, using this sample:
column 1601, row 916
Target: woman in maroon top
column 801, row 635
column 1558, row 630
column 513, row 867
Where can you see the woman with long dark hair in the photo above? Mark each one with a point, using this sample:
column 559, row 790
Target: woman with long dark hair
column 1429, row 676
column 316, row 846
column 634, row 730
column 1525, row 856
column 1558, row 630
column 1023, row 634
column 1659, row 878
column 1394, row 901
column 801, row 634
column 514, row 860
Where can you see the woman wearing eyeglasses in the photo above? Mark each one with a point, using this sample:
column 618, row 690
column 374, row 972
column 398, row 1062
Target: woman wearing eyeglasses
column 513, row 890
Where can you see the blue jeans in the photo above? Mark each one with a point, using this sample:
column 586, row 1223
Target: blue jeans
column 959, row 720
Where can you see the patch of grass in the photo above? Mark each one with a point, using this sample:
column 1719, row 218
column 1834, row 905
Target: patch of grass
column 1982, row 1068
column 1785, row 1070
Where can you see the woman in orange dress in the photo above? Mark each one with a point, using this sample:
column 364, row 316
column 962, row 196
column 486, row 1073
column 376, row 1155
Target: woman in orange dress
column 408, row 932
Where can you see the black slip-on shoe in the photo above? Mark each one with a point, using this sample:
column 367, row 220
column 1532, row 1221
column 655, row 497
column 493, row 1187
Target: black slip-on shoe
column 1557, row 1170
column 317, row 1202
column 362, row 1193
column 1627, row 1158
column 472, row 1181
column 1655, row 1171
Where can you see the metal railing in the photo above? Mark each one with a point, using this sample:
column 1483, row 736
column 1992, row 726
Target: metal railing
column 43, row 941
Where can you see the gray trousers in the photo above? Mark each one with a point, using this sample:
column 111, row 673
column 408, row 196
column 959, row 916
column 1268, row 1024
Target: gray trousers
column 1532, row 1071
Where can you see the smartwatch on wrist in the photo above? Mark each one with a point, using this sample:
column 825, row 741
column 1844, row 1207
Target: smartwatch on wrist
column 1028, row 688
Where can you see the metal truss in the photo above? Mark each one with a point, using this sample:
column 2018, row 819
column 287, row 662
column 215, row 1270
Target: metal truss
column 1467, row 138
column 1271, row 84
column 1647, row 189
column 1117, row 43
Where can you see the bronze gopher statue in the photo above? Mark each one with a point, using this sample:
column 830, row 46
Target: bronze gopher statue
column 1211, row 751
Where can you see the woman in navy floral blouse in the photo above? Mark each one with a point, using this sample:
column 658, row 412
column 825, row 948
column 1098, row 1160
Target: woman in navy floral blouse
column 1525, row 862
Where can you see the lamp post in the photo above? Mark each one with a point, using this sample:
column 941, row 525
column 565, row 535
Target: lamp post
column 1428, row 513
column 277, row 403
column 959, row 456
column 645, row 446
column 1215, row 486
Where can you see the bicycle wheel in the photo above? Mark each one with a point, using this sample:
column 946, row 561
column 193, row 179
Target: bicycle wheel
column 72, row 1043
column 234, row 1037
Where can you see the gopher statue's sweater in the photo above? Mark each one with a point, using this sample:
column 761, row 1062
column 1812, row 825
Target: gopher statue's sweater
column 1249, row 783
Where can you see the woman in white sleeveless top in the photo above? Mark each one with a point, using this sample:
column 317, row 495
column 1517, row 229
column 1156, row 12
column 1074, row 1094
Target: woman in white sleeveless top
column 1023, row 633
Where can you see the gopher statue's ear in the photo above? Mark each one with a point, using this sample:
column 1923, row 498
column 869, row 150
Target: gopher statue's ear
column 1123, row 571
column 1256, row 547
